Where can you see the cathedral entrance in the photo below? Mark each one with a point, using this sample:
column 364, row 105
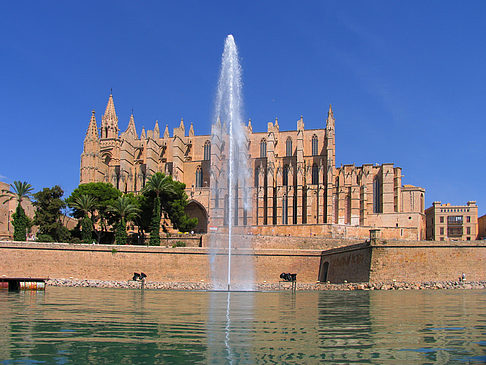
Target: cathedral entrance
column 195, row 209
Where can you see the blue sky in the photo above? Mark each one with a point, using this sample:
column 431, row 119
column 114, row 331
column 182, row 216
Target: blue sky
column 407, row 80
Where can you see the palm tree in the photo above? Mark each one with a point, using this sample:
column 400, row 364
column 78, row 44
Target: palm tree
column 86, row 204
column 20, row 191
column 158, row 184
column 124, row 208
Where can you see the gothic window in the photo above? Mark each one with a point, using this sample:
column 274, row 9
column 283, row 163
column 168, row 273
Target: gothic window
column 315, row 145
column 199, row 177
column 315, row 174
column 285, row 175
column 257, row 172
column 376, row 195
column 263, row 148
column 285, row 208
column 207, row 151
column 288, row 147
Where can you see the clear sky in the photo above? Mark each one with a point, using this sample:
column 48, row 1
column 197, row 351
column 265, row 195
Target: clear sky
column 407, row 80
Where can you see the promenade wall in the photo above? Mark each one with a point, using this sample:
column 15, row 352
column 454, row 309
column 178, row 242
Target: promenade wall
column 109, row 262
column 403, row 261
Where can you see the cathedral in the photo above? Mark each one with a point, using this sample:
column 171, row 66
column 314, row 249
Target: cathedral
column 297, row 188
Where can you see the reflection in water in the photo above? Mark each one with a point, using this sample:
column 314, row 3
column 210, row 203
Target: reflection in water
column 83, row 325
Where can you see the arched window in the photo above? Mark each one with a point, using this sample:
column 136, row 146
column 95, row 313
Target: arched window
column 285, row 175
column 199, row 177
column 207, row 151
column 263, row 148
column 315, row 145
column 376, row 195
column 315, row 174
column 288, row 147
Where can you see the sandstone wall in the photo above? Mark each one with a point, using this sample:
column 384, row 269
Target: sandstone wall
column 336, row 231
column 419, row 261
column 107, row 262
column 428, row 262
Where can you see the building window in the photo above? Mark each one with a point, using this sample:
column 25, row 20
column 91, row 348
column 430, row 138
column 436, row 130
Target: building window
column 288, row 146
column 441, row 219
column 263, row 148
column 376, row 195
column 468, row 219
column 441, row 230
column 199, row 177
column 454, row 219
column 207, row 151
column 285, row 175
column 315, row 174
column 468, row 230
column 315, row 145
column 285, row 210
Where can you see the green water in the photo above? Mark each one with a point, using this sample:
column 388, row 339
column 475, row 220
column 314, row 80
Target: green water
column 97, row 326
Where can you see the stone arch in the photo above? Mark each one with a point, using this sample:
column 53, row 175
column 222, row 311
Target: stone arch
column 195, row 209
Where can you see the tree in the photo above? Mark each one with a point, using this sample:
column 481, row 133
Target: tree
column 125, row 209
column 48, row 214
column 20, row 191
column 85, row 204
column 170, row 196
column 103, row 194
column 157, row 185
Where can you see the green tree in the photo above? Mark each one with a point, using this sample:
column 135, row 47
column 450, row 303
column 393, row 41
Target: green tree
column 125, row 210
column 48, row 214
column 21, row 223
column 164, row 194
column 104, row 194
column 86, row 205
column 158, row 184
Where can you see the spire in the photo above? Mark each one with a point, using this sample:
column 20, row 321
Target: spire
column 143, row 135
column 110, row 112
column 109, row 121
column 330, row 118
column 166, row 131
column 156, row 130
column 182, row 124
column 250, row 128
column 191, row 131
column 276, row 124
column 131, row 127
column 92, row 131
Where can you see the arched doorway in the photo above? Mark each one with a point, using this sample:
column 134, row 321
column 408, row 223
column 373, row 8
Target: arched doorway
column 195, row 209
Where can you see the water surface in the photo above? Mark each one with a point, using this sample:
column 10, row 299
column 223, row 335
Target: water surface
column 88, row 325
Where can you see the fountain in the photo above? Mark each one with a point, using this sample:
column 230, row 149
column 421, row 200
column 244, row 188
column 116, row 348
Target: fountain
column 230, row 207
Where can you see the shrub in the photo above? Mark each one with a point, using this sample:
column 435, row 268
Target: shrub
column 179, row 244
column 44, row 238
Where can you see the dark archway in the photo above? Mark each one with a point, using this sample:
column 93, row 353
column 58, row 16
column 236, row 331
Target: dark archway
column 195, row 209
column 324, row 272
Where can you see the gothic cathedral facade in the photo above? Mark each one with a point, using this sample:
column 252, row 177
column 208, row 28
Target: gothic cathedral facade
column 297, row 187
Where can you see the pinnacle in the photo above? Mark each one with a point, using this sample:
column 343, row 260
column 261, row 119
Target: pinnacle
column 110, row 112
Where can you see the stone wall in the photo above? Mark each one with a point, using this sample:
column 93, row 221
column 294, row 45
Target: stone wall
column 340, row 231
column 108, row 262
column 419, row 261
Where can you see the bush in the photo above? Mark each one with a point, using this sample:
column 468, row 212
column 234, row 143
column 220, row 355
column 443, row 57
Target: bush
column 44, row 238
column 179, row 244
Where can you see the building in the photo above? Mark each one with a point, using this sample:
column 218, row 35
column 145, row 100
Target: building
column 6, row 211
column 447, row 222
column 298, row 188
column 482, row 227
